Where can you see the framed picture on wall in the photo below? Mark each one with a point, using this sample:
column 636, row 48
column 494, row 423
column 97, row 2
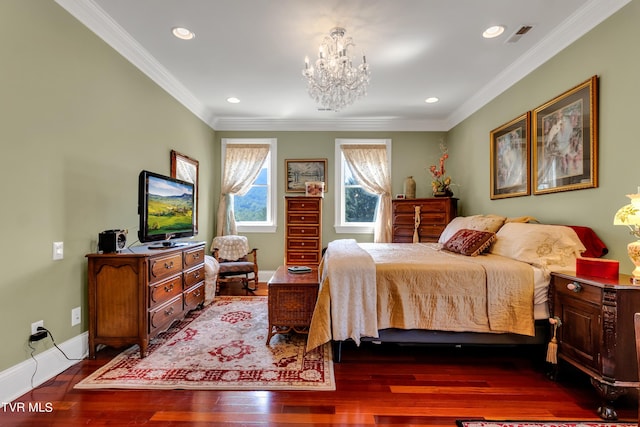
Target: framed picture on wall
column 301, row 171
column 565, row 141
column 186, row 168
column 510, row 148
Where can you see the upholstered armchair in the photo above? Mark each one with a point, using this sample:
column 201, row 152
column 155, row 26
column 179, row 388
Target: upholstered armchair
column 236, row 261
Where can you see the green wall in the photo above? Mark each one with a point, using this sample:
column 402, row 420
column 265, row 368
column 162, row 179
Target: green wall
column 607, row 51
column 78, row 123
column 412, row 153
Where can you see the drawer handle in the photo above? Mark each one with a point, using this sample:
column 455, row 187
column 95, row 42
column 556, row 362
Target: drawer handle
column 302, row 205
column 196, row 255
column 197, row 293
column 196, row 275
column 302, row 231
column 168, row 288
column 169, row 311
column 575, row 287
column 168, row 265
column 302, row 244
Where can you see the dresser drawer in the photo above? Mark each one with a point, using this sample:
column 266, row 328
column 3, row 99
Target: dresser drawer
column 160, row 318
column 162, row 267
column 583, row 292
column 303, row 244
column 193, row 276
column 193, row 257
column 298, row 257
column 194, row 297
column 164, row 291
column 303, row 218
column 303, row 204
column 309, row 231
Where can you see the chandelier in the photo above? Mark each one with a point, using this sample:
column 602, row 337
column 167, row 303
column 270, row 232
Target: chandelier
column 334, row 82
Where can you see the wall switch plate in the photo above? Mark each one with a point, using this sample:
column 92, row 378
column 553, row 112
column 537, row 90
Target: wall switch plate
column 34, row 326
column 58, row 250
column 76, row 314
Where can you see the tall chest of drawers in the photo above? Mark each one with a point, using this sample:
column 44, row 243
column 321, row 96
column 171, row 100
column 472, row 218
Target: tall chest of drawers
column 434, row 213
column 135, row 295
column 303, row 230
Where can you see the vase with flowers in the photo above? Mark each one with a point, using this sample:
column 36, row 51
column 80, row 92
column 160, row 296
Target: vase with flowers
column 440, row 182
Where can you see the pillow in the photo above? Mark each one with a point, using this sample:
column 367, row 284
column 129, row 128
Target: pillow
column 546, row 246
column 470, row 242
column 490, row 223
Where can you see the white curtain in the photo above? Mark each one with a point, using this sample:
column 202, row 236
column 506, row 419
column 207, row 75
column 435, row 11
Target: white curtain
column 370, row 167
column 242, row 164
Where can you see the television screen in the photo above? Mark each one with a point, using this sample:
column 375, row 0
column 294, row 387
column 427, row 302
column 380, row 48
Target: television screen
column 165, row 207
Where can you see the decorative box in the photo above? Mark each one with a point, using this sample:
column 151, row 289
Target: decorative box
column 597, row 267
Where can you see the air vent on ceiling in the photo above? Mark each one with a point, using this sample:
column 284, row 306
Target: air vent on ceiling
column 518, row 34
column 324, row 109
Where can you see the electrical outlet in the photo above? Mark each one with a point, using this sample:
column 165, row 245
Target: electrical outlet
column 34, row 326
column 76, row 314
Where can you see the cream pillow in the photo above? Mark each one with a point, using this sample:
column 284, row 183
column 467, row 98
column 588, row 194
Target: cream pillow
column 547, row 246
column 490, row 223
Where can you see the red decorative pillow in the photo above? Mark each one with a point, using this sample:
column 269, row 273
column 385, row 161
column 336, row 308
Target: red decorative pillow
column 470, row 242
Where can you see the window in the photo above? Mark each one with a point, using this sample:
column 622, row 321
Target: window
column 355, row 207
column 256, row 211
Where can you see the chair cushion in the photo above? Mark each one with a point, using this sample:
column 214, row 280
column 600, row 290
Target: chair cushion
column 231, row 247
column 231, row 268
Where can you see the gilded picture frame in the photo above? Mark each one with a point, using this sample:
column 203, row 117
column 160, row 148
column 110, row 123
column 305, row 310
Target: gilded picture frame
column 300, row 171
column 186, row 168
column 565, row 142
column 510, row 164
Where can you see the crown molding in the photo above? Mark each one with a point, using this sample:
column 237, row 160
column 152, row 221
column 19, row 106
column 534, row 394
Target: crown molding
column 98, row 21
column 574, row 27
column 359, row 124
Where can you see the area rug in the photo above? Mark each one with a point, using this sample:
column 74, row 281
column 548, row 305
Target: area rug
column 479, row 423
column 222, row 347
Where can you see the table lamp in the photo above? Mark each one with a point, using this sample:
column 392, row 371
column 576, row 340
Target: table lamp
column 629, row 215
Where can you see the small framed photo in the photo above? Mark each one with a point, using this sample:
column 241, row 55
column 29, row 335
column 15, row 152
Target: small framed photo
column 510, row 148
column 314, row 189
column 565, row 141
column 301, row 171
column 400, row 196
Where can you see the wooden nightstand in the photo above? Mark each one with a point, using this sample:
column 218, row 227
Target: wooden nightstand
column 292, row 299
column 597, row 334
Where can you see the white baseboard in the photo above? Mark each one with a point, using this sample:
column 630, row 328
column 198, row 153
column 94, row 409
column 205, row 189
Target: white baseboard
column 16, row 380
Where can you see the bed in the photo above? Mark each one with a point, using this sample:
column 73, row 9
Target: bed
column 484, row 282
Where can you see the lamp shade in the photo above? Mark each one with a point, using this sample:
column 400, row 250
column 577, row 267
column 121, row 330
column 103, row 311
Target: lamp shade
column 629, row 214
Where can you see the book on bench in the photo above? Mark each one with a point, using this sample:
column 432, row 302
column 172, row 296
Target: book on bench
column 299, row 269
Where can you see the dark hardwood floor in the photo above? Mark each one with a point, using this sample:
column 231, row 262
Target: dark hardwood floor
column 383, row 385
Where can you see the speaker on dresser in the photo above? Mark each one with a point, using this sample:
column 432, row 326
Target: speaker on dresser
column 110, row 241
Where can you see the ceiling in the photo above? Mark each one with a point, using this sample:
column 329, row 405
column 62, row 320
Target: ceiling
column 254, row 50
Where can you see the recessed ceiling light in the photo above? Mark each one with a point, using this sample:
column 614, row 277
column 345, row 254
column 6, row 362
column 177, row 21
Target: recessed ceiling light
column 233, row 100
column 492, row 32
column 183, row 33
column 431, row 100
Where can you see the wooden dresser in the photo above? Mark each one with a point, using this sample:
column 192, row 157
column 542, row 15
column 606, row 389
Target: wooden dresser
column 435, row 214
column 303, row 230
column 597, row 335
column 136, row 294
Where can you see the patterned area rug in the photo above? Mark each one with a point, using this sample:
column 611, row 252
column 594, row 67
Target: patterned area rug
column 222, row 347
column 474, row 423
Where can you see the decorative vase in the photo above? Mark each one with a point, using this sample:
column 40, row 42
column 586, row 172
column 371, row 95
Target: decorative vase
column 409, row 188
column 446, row 192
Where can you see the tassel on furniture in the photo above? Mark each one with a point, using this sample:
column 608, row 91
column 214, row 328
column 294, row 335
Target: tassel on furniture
column 552, row 349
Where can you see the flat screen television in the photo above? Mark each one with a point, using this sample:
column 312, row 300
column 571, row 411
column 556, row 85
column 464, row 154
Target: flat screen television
column 165, row 207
